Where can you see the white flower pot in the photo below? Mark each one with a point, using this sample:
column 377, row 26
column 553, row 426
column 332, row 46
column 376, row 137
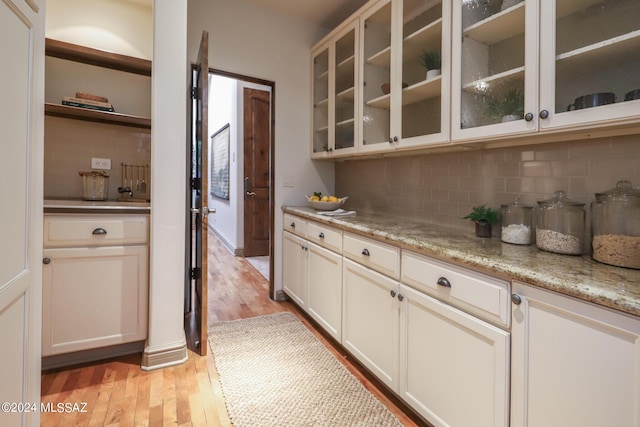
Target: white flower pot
column 432, row 73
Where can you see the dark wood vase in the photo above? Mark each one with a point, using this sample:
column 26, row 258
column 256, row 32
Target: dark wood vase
column 483, row 229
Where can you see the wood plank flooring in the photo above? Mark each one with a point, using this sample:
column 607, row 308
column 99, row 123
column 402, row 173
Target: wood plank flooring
column 118, row 393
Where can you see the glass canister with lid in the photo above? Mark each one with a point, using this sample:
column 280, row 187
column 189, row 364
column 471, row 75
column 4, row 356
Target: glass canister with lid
column 616, row 226
column 560, row 225
column 516, row 223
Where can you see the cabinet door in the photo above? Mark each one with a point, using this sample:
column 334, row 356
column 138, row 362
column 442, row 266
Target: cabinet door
column 324, row 301
column 454, row 368
column 320, row 92
column 345, row 66
column 370, row 320
column 380, row 84
column 590, row 62
column 574, row 364
column 495, row 68
column 93, row 297
column 294, row 268
column 425, row 59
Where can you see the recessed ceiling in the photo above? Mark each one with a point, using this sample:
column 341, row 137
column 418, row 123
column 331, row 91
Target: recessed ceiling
column 326, row 13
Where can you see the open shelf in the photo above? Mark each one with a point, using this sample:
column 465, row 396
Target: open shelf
column 381, row 59
column 100, row 58
column 77, row 113
column 501, row 26
column 383, row 101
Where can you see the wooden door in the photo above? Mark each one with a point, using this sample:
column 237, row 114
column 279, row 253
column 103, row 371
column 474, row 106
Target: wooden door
column 257, row 142
column 197, row 271
column 21, row 170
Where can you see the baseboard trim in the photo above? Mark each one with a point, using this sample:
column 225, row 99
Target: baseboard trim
column 162, row 357
column 281, row 295
column 92, row 355
column 229, row 246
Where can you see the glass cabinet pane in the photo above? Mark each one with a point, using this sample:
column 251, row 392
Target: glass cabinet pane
column 421, row 53
column 597, row 53
column 321, row 102
column 492, row 62
column 377, row 77
column 344, row 96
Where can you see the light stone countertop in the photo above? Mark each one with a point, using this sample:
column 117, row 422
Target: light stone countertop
column 577, row 276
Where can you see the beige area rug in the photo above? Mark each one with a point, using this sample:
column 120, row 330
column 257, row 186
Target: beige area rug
column 275, row 372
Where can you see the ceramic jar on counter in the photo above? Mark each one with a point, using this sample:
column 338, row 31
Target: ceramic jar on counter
column 516, row 223
column 560, row 225
column 616, row 226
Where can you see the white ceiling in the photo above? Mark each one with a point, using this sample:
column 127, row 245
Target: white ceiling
column 326, row 13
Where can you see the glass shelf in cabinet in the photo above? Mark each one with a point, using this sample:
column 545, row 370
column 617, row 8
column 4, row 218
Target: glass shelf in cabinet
column 508, row 79
column 501, row 26
column 424, row 39
column 381, row 59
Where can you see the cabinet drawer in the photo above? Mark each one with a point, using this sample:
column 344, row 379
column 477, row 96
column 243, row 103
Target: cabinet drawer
column 325, row 236
column 484, row 296
column 376, row 255
column 95, row 230
column 295, row 225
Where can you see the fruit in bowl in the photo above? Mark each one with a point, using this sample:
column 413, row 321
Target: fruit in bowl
column 325, row 203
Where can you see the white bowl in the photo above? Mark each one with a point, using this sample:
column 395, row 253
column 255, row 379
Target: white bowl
column 326, row 206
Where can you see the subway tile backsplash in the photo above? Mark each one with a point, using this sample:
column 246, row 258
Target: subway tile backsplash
column 70, row 145
column 441, row 188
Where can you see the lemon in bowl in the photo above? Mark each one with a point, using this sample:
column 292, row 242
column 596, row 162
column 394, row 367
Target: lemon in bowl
column 325, row 203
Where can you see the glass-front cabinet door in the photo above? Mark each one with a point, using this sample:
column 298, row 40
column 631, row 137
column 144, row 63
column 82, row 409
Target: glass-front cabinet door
column 320, row 107
column 590, row 66
column 425, row 61
column 378, row 89
column 495, row 68
column 345, row 65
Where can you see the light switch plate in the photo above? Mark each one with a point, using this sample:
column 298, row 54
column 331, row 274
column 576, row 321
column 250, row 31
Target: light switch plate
column 288, row 181
column 98, row 163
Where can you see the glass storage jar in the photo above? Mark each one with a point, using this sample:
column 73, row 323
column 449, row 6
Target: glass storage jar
column 516, row 223
column 560, row 225
column 616, row 226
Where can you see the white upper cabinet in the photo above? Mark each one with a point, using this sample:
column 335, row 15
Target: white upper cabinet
column 529, row 66
column 334, row 67
column 402, row 106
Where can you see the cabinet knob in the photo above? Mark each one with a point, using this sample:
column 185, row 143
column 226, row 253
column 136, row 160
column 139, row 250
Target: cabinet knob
column 393, row 293
column 528, row 117
column 99, row 231
column 544, row 114
column 293, row 225
column 443, row 281
column 365, row 252
column 321, row 235
column 395, row 139
column 400, row 297
column 516, row 299
column 390, row 140
column 46, row 260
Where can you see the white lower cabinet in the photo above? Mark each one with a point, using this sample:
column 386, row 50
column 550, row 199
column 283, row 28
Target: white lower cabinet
column 454, row 367
column 324, row 301
column 573, row 363
column 370, row 320
column 294, row 274
column 94, row 282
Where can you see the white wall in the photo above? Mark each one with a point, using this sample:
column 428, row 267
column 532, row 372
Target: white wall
column 256, row 42
column 118, row 26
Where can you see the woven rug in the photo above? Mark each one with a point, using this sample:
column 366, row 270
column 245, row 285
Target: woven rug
column 275, row 372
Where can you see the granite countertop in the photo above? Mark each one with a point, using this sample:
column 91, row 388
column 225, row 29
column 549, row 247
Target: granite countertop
column 86, row 206
column 577, row 276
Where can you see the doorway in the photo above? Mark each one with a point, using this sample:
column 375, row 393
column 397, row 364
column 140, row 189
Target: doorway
column 244, row 219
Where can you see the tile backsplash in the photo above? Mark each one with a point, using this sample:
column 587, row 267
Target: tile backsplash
column 441, row 188
column 70, row 145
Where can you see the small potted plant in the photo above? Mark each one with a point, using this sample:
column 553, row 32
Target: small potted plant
column 431, row 61
column 507, row 108
column 484, row 217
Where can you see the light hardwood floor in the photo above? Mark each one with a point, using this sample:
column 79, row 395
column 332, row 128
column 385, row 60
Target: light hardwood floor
column 118, row 393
